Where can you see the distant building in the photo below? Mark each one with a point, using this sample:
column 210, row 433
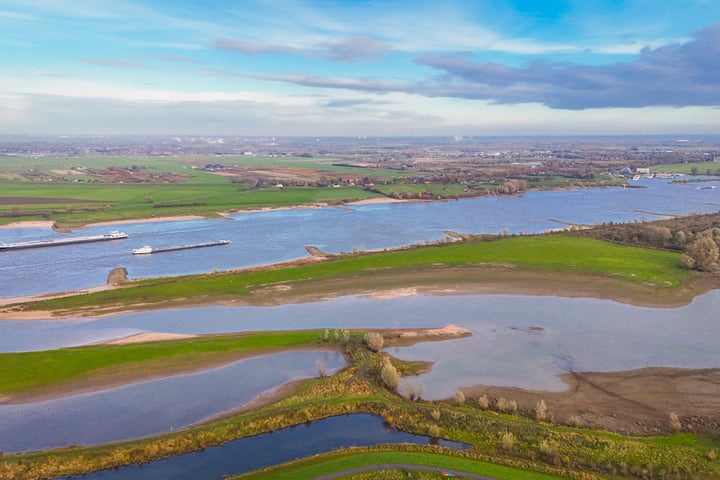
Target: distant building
column 642, row 170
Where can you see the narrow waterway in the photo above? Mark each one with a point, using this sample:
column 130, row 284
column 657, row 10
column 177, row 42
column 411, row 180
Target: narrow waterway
column 280, row 446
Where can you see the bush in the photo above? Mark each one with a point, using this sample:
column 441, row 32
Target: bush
column 508, row 441
column 674, row 422
column 374, row 341
column 390, row 375
column 459, row 397
column 483, row 402
column 434, row 431
column 704, row 253
column 541, row 411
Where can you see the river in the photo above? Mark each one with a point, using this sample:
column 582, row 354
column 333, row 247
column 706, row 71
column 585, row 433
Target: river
column 279, row 235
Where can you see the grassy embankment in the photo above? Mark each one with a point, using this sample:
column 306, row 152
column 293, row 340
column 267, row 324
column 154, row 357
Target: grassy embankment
column 344, row 460
column 534, row 446
column 628, row 270
column 35, row 372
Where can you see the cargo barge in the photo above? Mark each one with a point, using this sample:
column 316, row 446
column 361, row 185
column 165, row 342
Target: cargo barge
column 55, row 242
column 148, row 249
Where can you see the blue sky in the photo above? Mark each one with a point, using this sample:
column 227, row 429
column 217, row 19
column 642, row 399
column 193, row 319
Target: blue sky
column 512, row 67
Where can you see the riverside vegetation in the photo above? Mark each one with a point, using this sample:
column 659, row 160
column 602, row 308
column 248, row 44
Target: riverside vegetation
column 509, row 444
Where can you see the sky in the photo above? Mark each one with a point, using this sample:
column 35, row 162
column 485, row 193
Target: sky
column 360, row 67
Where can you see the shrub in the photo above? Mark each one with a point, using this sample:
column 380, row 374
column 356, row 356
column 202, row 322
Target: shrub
column 434, row 431
column 506, row 406
column 541, row 411
column 483, row 402
column 574, row 421
column 413, row 391
column 704, row 253
column 390, row 375
column 459, row 397
column 321, row 368
column 674, row 422
column 508, row 441
column 374, row 341
column 435, row 414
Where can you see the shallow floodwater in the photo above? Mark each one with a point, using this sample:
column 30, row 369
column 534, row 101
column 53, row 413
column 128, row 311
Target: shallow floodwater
column 280, row 446
column 274, row 236
column 152, row 407
column 522, row 341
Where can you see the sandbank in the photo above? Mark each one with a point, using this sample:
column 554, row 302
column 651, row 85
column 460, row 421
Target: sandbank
column 146, row 220
column 374, row 200
column 30, row 224
column 147, row 337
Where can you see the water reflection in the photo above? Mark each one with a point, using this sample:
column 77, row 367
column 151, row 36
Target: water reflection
column 280, row 446
column 522, row 341
column 152, row 407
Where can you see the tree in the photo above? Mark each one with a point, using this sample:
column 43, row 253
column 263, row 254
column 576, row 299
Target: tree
column 704, row 254
column 389, row 375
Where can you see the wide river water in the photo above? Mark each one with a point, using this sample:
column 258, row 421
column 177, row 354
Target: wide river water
column 274, row 236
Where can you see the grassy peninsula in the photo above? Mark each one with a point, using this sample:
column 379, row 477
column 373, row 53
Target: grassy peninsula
column 564, row 263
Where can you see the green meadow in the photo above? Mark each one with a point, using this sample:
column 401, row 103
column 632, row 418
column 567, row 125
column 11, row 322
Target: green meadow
column 690, row 168
column 39, row 369
column 552, row 253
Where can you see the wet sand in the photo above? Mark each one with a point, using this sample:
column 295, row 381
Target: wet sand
column 634, row 401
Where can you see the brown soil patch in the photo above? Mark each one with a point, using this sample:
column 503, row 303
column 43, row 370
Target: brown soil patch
column 634, row 401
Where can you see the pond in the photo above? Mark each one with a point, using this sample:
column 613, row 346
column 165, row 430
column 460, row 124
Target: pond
column 280, row 446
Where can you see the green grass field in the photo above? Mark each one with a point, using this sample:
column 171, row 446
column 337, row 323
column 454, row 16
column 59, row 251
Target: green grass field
column 314, row 467
column 33, row 370
column 693, row 168
column 123, row 202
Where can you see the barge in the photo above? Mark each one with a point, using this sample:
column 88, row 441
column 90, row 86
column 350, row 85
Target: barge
column 55, row 242
column 148, row 249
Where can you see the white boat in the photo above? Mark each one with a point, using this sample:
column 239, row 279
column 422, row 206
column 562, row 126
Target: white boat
column 148, row 249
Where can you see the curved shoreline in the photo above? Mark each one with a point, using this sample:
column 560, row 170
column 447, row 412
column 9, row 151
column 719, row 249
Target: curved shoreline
column 430, row 281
